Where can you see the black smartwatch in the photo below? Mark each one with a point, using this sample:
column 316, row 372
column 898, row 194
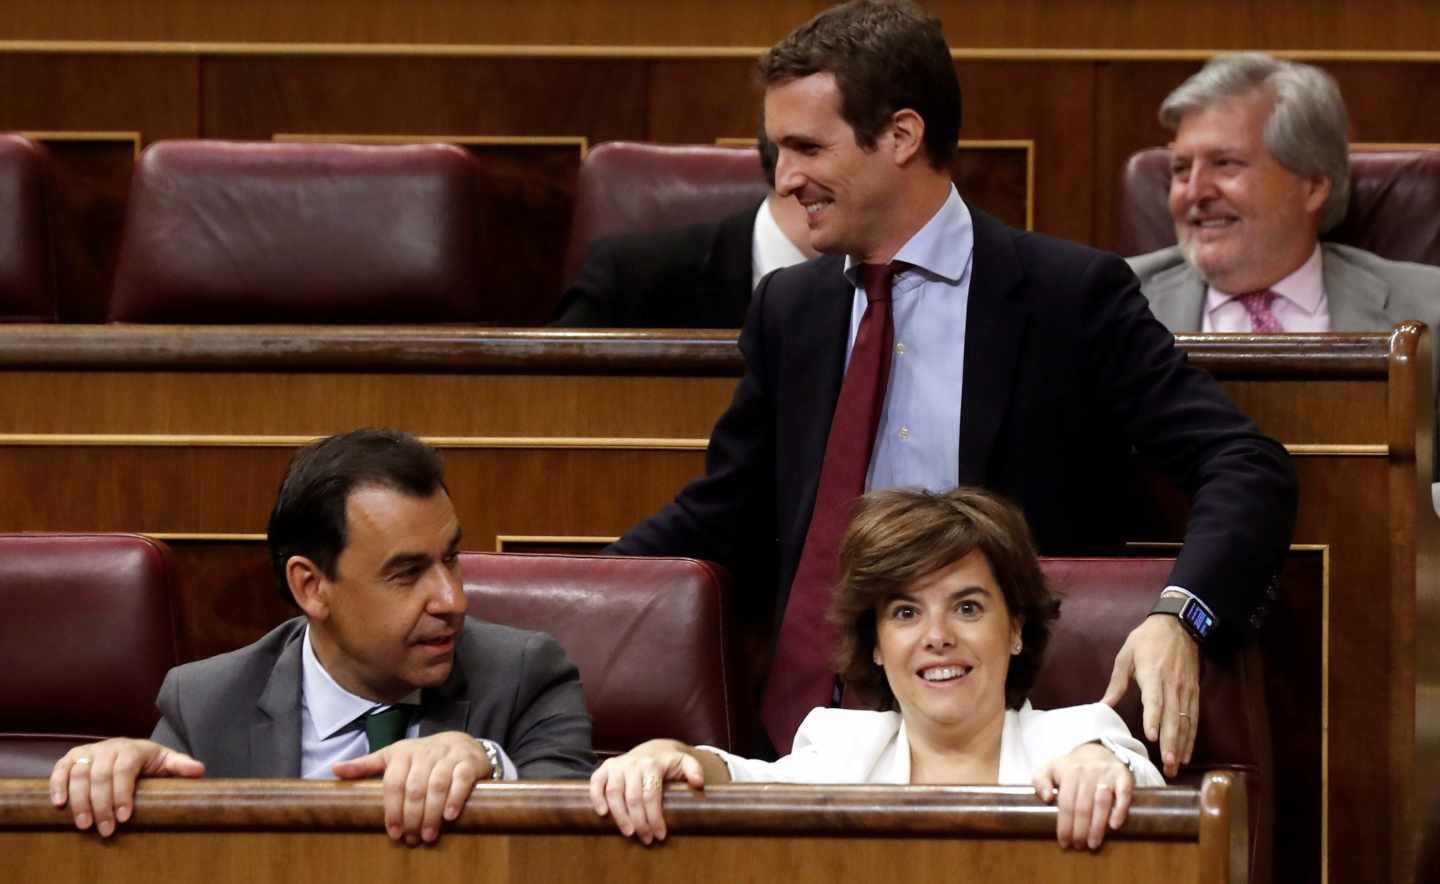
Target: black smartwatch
column 1194, row 614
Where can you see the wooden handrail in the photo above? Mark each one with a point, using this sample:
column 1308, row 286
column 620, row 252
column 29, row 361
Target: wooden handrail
column 468, row 349
column 1174, row 812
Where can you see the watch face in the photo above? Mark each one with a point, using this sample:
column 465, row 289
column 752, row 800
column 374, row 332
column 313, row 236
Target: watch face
column 1199, row 621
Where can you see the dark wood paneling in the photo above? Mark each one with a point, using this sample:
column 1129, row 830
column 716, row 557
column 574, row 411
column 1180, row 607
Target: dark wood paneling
column 155, row 97
column 1051, row 105
column 260, row 831
column 996, row 179
column 529, row 191
column 91, row 184
column 1134, row 24
column 258, row 96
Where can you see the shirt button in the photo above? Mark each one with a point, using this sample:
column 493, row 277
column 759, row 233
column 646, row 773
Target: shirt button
column 904, row 433
column 899, row 349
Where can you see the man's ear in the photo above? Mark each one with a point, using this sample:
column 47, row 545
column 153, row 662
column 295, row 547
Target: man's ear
column 1317, row 191
column 309, row 587
column 907, row 129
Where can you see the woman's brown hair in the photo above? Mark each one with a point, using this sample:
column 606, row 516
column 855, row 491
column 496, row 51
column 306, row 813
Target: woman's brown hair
column 901, row 535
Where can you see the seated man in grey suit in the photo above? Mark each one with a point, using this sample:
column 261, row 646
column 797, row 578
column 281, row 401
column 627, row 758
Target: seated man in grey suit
column 384, row 675
column 699, row 276
column 1262, row 168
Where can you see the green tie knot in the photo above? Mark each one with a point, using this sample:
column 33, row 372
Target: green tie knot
column 383, row 727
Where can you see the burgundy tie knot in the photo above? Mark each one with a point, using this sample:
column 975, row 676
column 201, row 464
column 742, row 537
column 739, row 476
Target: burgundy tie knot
column 1262, row 319
column 877, row 278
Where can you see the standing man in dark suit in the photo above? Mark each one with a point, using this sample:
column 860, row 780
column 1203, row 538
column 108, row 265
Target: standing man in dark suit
column 384, row 675
column 698, row 276
column 1025, row 364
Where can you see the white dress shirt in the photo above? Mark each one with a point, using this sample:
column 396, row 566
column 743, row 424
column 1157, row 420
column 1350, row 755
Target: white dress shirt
column 331, row 727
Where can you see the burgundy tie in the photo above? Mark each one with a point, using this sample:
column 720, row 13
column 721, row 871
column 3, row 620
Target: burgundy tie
column 803, row 675
column 1262, row 320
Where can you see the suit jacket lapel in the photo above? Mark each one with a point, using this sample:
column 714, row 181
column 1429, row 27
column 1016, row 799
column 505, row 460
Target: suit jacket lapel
column 1177, row 297
column 814, row 368
column 995, row 327
column 1356, row 296
column 275, row 737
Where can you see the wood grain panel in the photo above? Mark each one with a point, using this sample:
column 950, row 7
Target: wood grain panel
column 1049, row 104
column 565, row 492
column 1140, row 24
column 281, row 830
column 256, row 97
column 319, row 404
column 91, row 181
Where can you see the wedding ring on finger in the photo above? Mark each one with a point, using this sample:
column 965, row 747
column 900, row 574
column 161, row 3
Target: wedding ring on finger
column 1101, row 789
column 1185, row 715
column 649, row 783
column 83, row 759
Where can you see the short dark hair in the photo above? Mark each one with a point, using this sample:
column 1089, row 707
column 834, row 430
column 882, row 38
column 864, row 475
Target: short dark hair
column 309, row 514
column 901, row 535
column 769, row 154
column 885, row 55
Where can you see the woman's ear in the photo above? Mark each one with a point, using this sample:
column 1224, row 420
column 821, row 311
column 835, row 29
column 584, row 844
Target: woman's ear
column 875, row 655
column 1017, row 643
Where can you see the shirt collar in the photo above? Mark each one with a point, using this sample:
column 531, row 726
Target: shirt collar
column 331, row 707
column 941, row 249
column 1304, row 288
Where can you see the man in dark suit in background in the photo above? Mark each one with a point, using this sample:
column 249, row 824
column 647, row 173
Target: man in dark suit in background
column 384, row 675
column 698, row 276
column 1014, row 361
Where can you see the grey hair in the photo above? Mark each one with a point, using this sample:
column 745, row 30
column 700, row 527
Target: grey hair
column 1308, row 131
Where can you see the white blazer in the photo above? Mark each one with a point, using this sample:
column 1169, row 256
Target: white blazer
column 854, row 746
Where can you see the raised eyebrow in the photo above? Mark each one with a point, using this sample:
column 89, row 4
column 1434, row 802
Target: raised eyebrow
column 968, row 591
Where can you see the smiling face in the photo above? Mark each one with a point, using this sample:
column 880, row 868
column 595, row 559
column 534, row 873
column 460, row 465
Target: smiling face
column 1243, row 220
column 945, row 642
column 389, row 621
column 849, row 193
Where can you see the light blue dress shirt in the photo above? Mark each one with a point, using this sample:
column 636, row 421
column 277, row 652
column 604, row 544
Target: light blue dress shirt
column 917, row 444
column 330, row 726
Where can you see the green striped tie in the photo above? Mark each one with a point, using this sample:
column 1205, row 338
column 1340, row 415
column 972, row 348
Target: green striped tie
column 385, row 727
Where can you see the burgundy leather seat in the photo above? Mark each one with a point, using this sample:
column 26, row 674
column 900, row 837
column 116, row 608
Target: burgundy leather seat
column 1394, row 205
column 27, row 287
column 87, row 640
column 627, row 187
column 247, row 232
column 652, row 638
column 1102, row 600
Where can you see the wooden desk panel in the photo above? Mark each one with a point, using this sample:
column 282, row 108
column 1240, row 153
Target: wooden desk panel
column 575, row 434
column 256, row 831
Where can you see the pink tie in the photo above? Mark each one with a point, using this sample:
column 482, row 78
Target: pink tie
column 803, row 675
column 1257, row 304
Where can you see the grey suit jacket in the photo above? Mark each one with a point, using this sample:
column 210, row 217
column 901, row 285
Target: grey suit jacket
column 1365, row 292
column 239, row 713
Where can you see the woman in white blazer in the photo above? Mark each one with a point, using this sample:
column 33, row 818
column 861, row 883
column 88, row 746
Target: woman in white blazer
column 943, row 616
